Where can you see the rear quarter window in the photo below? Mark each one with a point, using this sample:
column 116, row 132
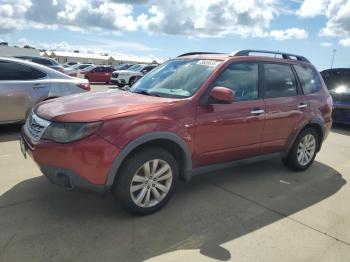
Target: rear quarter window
column 309, row 79
column 15, row 71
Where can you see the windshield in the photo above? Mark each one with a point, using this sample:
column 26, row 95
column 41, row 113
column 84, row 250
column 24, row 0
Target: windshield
column 135, row 68
column 176, row 78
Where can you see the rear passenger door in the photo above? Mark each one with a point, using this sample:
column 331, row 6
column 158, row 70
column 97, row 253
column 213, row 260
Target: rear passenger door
column 285, row 107
column 21, row 87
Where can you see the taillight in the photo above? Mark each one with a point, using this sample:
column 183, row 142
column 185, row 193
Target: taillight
column 330, row 102
column 85, row 86
column 61, row 69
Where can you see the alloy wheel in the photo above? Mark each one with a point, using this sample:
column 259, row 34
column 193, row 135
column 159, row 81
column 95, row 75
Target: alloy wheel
column 306, row 149
column 151, row 183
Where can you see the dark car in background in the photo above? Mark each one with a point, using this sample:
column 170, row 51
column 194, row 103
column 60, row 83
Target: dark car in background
column 49, row 62
column 338, row 84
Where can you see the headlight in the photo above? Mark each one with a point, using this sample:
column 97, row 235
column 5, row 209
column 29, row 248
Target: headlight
column 69, row 132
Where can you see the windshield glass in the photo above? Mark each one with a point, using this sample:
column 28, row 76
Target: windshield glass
column 135, row 68
column 176, row 78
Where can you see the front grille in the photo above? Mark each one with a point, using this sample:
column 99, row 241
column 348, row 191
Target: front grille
column 35, row 127
column 115, row 75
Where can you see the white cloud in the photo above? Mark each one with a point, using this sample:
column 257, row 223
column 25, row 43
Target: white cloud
column 11, row 13
column 211, row 18
column 326, row 44
column 291, row 33
column 345, row 42
column 312, row 8
column 338, row 24
column 192, row 18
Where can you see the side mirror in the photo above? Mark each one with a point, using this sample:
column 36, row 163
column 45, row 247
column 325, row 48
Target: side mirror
column 222, row 94
column 144, row 72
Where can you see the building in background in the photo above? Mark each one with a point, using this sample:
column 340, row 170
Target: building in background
column 76, row 56
column 63, row 57
column 6, row 50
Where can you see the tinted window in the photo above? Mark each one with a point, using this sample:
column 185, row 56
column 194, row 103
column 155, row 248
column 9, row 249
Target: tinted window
column 242, row 78
column 279, row 81
column 41, row 61
column 14, row 71
column 309, row 79
column 336, row 78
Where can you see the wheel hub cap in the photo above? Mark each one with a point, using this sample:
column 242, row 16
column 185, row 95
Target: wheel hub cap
column 306, row 149
column 151, row 183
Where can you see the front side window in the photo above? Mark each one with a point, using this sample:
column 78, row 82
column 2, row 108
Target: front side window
column 15, row 71
column 279, row 81
column 309, row 79
column 178, row 78
column 242, row 78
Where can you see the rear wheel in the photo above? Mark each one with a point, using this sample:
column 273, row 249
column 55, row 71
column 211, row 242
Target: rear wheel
column 146, row 181
column 304, row 150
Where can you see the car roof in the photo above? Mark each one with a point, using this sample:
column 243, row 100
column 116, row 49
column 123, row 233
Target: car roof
column 246, row 55
column 46, row 69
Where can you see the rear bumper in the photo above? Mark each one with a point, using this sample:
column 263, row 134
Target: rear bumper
column 341, row 113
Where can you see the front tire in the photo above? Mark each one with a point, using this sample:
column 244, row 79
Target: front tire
column 303, row 153
column 146, row 181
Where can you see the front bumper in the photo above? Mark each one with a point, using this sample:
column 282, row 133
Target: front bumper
column 118, row 81
column 82, row 165
column 68, row 179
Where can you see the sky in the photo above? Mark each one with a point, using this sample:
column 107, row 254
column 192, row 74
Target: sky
column 167, row 28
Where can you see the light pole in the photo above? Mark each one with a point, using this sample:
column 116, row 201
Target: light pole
column 334, row 51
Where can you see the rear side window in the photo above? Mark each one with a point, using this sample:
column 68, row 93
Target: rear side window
column 309, row 79
column 41, row 61
column 15, row 71
column 279, row 81
column 242, row 78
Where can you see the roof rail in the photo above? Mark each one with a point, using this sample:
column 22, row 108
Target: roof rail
column 200, row 53
column 284, row 55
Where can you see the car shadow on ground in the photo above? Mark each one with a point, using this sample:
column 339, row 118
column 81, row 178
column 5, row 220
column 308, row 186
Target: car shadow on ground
column 341, row 129
column 43, row 222
column 9, row 132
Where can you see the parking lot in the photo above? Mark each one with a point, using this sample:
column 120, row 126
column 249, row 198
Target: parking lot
column 260, row 212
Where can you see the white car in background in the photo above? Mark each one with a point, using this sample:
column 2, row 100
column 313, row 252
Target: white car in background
column 75, row 69
column 131, row 75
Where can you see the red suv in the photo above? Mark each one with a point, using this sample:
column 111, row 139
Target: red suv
column 195, row 113
column 98, row 74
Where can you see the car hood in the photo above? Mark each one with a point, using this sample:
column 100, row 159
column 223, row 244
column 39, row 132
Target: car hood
column 88, row 107
column 126, row 72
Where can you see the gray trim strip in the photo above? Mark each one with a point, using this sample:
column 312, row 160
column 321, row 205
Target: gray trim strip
column 214, row 167
column 144, row 139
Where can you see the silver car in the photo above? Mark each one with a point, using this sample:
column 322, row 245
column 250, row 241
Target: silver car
column 23, row 84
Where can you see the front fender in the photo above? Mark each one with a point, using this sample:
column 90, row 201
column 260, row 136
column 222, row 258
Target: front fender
column 118, row 161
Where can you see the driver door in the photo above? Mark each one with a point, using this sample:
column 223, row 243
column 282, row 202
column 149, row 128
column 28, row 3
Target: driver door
column 228, row 132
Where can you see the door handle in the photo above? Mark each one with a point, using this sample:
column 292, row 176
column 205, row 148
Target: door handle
column 35, row 86
column 302, row 105
column 257, row 111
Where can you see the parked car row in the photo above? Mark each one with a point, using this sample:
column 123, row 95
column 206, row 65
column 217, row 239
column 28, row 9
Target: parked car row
column 128, row 73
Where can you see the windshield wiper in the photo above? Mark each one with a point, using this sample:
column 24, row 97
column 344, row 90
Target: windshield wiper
column 145, row 93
